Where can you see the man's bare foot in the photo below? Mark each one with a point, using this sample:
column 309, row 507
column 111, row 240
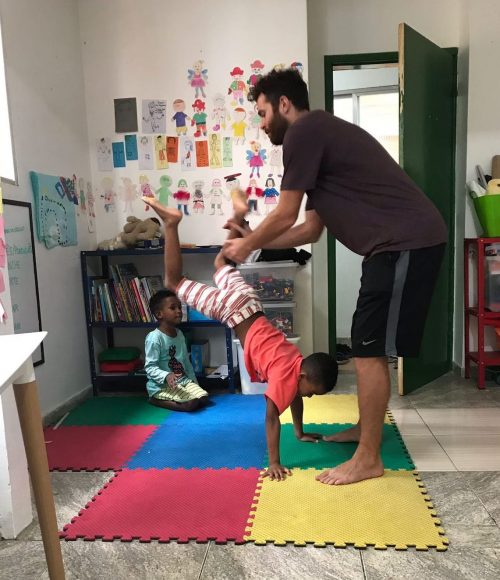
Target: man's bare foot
column 346, row 436
column 356, row 469
column 240, row 204
column 169, row 215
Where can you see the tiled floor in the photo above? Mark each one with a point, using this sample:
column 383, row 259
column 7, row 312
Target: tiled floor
column 453, row 433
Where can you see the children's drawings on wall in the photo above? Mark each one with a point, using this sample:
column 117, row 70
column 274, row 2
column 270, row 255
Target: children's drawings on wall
column 161, row 161
column 108, row 194
column 215, row 151
column 227, row 152
column 255, row 158
column 238, row 88
column 131, row 147
column 298, row 66
column 146, row 156
column 256, row 67
column 198, row 77
column 216, row 197
column 239, row 126
column 202, row 154
column 146, row 190
column 172, row 149
column 182, row 196
column 220, row 113
column 3, row 259
column 254, row 120
column 188, row 154
column 180, row 118
column 125, row 115
column 128, row 194
column 270, row 194
column 198, row 199
column 104, row 154
column 199, row 119
column 119, row 154
column 233, row 185
column 81, row 195
column 254, row 193
column 276, row 160
column 90, row 208
column 163, row 192
column 154, row 116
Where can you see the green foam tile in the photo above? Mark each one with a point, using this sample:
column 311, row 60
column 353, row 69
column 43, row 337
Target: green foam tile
column 321, row 455
column 116, row 411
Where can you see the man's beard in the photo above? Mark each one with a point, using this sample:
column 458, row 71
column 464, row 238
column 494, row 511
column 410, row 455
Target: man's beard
column 277, row 128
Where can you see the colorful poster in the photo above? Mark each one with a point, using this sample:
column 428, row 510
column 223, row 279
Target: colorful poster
column 201, row 154
column 131, row 147
column 215, row 151
column 146, row 155
column 104, row 154
column 161, row 161
column 119, row 154
column 227, row 152
column 153, row 116
column 188, row 154
column 125, row 115
column 172, row 149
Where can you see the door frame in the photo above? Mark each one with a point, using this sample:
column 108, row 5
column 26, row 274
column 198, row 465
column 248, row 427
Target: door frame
column 369, row 58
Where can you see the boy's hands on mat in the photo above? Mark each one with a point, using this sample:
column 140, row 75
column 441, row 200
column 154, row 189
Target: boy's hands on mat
column 170, row 380
column 277, row 472
column 310, row 437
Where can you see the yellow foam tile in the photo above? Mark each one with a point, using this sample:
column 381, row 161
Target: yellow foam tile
column 329, row 409
column 382, row 512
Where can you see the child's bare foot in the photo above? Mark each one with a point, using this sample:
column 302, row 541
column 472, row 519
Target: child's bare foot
column 240, row 204
column 169, row 215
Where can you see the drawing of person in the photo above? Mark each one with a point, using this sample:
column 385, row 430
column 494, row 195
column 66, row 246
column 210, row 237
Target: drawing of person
column 215, row 150
column 180, row 117
column 198, row 77
column 182, row 196
column 198, row 201
column 270, row 194
column 220, row 114
column 237, row 88
column 108, row 194
column 156, row 116
column 216, row 196
column 239, row 126
column 163, row 192
column 128, row 194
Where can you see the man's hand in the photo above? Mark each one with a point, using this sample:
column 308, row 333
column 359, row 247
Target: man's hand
column 310, row 437
column 244, row 230
column 237, row 250
column 170, row 380
column 277, row 472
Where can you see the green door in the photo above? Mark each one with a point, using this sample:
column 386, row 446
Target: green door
column 427, row 86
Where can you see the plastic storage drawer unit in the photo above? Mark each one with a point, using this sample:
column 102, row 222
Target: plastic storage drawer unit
column 271, row 280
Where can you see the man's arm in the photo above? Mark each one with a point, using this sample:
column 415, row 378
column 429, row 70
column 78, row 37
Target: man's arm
column 297, row 409
column 309, row 231
column 276, row 223
column 273, row 429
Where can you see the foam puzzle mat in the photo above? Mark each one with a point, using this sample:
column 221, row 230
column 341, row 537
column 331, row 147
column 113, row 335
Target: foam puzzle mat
column 198, row 476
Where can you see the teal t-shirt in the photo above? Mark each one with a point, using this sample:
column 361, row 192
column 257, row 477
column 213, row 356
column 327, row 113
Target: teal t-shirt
column 165, row 355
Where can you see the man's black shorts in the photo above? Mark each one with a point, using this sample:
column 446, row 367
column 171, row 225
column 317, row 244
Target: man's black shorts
column 395, row 295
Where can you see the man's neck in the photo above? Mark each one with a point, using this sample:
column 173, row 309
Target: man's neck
column 295, row 115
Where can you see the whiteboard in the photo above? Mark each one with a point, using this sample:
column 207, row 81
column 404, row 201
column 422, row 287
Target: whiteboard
column 21, row 265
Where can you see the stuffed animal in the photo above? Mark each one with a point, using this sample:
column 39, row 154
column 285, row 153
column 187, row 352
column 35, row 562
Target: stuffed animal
column 135, row 230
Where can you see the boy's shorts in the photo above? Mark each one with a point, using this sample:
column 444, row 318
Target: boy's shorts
column 232, row 302
column 394, row 299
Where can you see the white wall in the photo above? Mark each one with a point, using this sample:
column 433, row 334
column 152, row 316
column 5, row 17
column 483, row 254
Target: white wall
column 142, row 50
column 339, row 27
column 45, row 86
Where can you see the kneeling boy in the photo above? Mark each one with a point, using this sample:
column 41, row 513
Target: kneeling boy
column 269, row 357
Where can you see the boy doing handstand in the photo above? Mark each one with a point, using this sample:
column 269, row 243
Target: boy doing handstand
column 269, row 357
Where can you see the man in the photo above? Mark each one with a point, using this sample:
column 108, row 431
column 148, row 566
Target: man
column 371, row 206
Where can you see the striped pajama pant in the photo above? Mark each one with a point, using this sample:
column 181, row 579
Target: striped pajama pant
column 231, row 302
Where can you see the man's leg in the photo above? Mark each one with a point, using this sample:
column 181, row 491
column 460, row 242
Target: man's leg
column 172, row 256
column 374, row 387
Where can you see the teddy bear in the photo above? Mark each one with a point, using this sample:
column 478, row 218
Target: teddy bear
column 134, row 231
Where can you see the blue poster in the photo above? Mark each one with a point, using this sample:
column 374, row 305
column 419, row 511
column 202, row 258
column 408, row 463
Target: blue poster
column 118, row 154
column 131, row 147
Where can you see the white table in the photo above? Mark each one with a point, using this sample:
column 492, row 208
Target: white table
column 16, row 368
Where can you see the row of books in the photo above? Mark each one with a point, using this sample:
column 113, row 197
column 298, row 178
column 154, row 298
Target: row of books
column 125, row 297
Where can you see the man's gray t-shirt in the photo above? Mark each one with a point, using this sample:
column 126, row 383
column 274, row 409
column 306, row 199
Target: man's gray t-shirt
column 361, row 194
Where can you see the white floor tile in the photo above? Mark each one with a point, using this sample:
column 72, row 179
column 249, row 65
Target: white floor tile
column 482, row 421
column 433, row 463
column 427, row 454
column 472, row 452
column 475, row 463
column 409, row 422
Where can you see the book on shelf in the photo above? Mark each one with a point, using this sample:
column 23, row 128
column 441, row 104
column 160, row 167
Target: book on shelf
column 125, row 296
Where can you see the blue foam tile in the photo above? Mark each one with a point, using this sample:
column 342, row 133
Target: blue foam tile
column 203, row 446
column 223, row 409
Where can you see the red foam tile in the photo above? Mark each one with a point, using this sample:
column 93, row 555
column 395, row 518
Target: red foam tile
column 96, row 448
column 169, row 504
